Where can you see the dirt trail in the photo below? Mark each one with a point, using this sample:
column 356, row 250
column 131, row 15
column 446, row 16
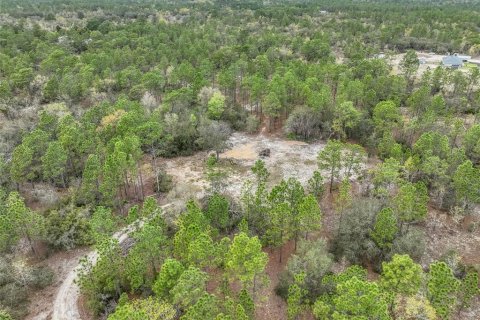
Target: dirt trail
column 65, row 305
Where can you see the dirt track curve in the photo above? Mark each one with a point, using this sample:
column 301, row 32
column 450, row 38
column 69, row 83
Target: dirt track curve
column 65, row 305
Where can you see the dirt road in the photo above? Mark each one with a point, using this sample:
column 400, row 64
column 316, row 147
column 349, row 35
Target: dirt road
column 65, row 305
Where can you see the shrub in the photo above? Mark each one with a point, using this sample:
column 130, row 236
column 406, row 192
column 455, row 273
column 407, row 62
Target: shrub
column 4, row 315
column 251, row 124
column 217, row 211
column 353, row 239
column 304, row 123
column 67, row 230
column 41, row 277
column 411, row 243
column 313, row 260
column 164, row 182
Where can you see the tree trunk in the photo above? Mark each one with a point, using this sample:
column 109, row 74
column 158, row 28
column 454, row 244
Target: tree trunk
column 331, row 182
column 141, row 180
column 296, row 240
column 30, row 241
column 281, row 246
column 63, row 181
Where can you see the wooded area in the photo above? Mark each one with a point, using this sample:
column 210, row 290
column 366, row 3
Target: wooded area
column 100, row 100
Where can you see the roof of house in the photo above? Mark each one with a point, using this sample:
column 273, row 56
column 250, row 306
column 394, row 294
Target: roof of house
column 452, row 60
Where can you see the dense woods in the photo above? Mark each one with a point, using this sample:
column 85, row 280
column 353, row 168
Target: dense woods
column 97, row 98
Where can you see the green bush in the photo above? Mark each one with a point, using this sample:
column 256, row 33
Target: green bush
column 252, row 124
column 68, row 229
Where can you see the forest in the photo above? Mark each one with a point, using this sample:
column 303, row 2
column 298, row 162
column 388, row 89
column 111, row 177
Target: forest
column 239, row 160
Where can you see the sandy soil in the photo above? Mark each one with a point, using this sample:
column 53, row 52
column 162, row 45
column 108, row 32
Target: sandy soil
column 61, row 263
column 445, row 234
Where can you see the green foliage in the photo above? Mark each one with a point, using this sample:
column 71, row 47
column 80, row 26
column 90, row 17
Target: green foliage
column 144, row 309
column 205, row 308
column 466, row 181
column 295, row 297
column 359, row 299
column 409, row 65
column 68, row 228
column 89, row 189
column 4, row 315
column 410, row 203
column 313, row 260
column 168, row 276
column 321, row 310
column 469, row 288
column 217, row 211
column 216, row 106
column 102, row 223
column 20, row 169
column 103, row 278
column 245, row 260
column 353, row 240
column 330, row 159
column 260, row 171
column 54, row 161
column 385, row 228
column 309, row 215
column 189, row 288
column 246, row 301
column 315, row 184
column 270, row 61
column 384, row 175
column 442, row 289
column 401, row 276
column 386, row 116
column 20, row 222
column 144, row 259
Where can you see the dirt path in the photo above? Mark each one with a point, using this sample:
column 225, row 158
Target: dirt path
column 65, row 305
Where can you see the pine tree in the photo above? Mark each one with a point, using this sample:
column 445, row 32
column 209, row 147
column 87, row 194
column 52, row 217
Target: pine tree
column 168, row 276
column 246, row 261
column 54, row 162
column 359, row 299
column 310, row 215
column 189, row 288
column 21, row 164
column 329, row 159
column 23, row 222
column 296, row 294
column 401, row 276
column 144, row 309
column 385, row 228
column 469, row 288
column 442, row 289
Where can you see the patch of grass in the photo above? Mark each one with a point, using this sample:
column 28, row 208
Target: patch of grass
column 469, row 65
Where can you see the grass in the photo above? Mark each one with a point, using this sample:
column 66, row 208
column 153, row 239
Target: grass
column 469, row 65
